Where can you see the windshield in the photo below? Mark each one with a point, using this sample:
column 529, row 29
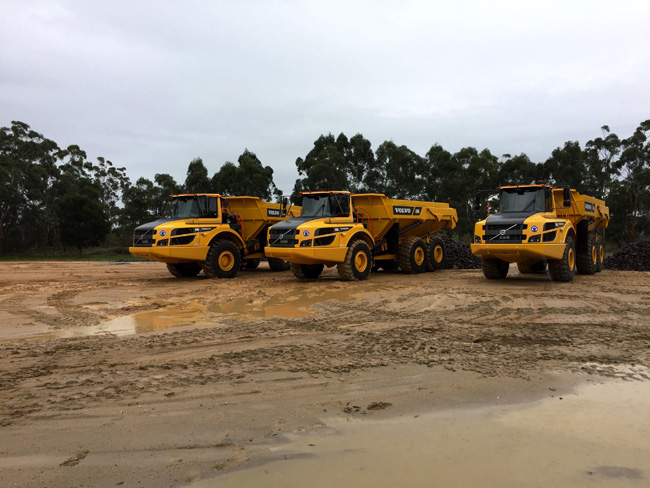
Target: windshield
column 523, row 200
column 193, row 207
column 334, row 205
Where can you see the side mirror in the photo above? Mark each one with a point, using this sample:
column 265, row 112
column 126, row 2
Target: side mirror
column 477, row 203
column 566, row 194
column 159, row 205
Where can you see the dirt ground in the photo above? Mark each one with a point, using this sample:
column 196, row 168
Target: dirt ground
column 118, row 374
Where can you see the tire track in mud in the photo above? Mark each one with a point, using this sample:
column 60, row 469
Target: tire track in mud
column 512, row 332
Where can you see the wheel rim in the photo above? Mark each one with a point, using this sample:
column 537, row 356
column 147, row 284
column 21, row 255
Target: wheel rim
column 418, row 256
column 438, row 253
column 594, row 255
column 571, row 258
column 361, row 262
column 226, row 260
column 602, row 253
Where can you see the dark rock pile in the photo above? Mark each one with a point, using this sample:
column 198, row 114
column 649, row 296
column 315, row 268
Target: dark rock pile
column 459, row 255
column 633, row 257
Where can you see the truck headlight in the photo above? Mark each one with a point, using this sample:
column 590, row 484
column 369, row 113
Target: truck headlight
column 536, row 238
column 477, row 239
column 306, row 243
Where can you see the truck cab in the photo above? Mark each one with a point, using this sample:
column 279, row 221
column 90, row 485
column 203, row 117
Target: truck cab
column 319, row 234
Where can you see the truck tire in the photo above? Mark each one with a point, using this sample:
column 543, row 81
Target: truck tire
column 277, row 264
column 564, row 269
column 251, row 263
column 601, row 257
column 494, row 269
column 538, row 267
column 184, row 270
column 413, row 255
column 223, row 259
column 358, row 262
column 437, row 254
column 587, row 257
column 306, row 271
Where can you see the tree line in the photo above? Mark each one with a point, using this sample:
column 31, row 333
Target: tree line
column 54, row 197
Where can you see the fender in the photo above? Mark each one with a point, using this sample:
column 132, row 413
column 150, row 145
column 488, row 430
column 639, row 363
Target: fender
column 231, row 235
column 365, row 236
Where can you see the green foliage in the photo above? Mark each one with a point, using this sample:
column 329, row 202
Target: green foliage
column 197, row 180
column 82, row 220
column 51, row 196
column 249, row 178
column 325, row 167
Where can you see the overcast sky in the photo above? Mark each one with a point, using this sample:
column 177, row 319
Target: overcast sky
column 150, row 85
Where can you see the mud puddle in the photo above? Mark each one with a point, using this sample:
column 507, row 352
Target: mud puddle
column 286, row 305
column 595, row 437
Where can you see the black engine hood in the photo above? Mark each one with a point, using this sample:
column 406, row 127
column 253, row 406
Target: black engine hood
column 291, row 223
column 153, row 225
column 508, row 218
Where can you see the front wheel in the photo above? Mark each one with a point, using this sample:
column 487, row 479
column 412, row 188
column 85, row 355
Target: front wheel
column 223, row 260
column 564, row 269
column 494, row 269
column 358, row 262
column 277, row 264
column 306, row 271
column 184, row 270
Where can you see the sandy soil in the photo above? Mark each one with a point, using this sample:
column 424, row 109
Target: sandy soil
column 121, row 375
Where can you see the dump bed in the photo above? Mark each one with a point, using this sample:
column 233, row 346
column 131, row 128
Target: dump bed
column 257, row 214
column 379, row 213
column 583, row 207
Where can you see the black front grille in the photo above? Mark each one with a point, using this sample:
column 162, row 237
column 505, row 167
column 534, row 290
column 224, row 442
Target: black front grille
column 504, row 233
column 279, row 238
column 143, row 238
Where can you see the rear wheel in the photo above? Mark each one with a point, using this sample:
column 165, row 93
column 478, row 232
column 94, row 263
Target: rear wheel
column 564, row 269
column 587, row 256
column 223, row 260
column 358, row 262
column 601, row 257
column 412, row 255
column 306, row 271
column 277, row 264
column 184, row 270
column 495, row 269
column 436, row 255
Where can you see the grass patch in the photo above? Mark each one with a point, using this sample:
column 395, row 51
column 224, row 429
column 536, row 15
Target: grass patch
column 92, row 254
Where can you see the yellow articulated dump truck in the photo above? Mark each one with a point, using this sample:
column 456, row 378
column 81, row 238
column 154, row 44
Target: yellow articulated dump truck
column 211, row 233
column 539, row 226
column 356, row 231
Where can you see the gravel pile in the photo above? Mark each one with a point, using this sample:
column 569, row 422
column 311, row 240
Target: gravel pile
column 633, row 257
column 459, row 255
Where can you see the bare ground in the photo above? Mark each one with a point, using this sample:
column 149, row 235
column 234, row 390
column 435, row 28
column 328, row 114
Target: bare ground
column 120, row 374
